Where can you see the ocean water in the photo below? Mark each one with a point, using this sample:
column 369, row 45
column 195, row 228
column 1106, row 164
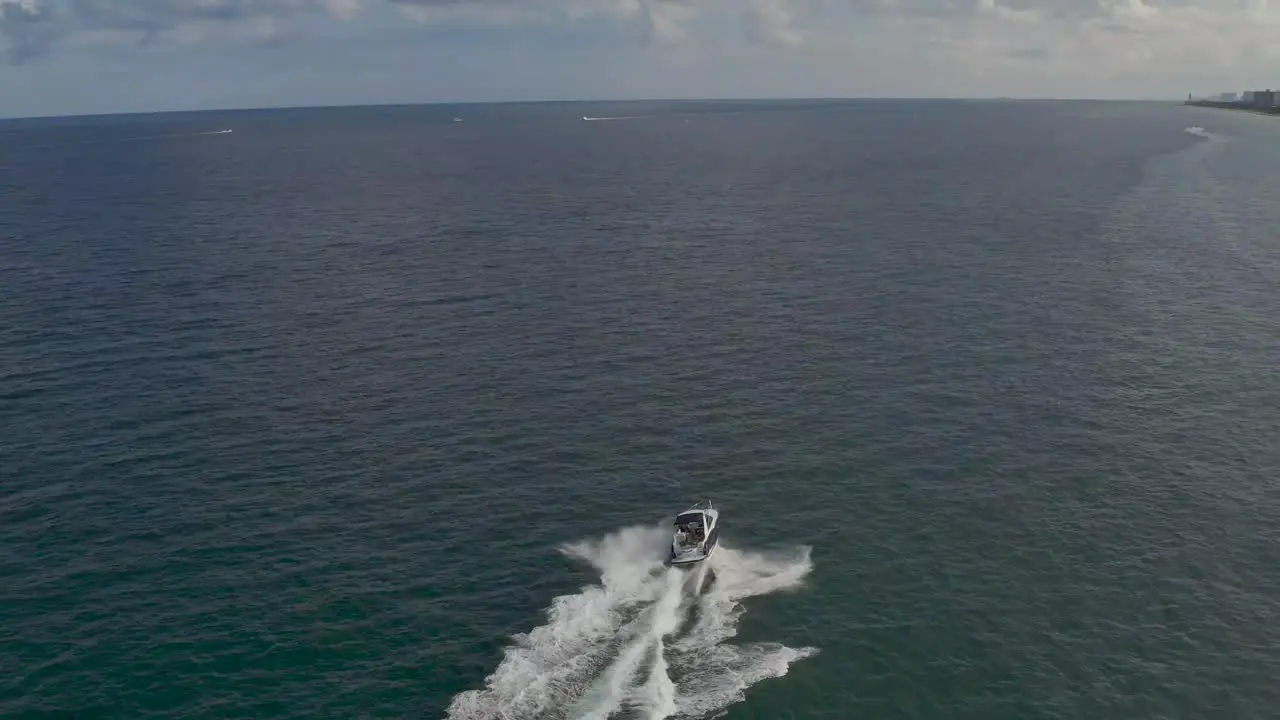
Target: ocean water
column 370, row 413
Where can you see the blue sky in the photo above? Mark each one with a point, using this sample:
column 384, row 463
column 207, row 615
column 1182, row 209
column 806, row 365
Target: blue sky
column 90, row 56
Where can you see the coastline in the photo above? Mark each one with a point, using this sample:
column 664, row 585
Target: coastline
column 1237, row 106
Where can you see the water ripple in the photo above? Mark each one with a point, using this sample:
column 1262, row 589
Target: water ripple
column 299, row 421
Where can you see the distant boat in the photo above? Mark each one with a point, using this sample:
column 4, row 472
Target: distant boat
column 457, row 119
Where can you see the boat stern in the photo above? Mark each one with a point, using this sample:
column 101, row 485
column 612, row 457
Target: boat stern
column 686, row 559
column 697, row 533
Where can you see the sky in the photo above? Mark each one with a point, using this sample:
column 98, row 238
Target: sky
column 96, row 56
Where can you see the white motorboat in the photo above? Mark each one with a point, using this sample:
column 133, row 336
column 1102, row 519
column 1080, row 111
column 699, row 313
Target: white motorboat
column 696, row 537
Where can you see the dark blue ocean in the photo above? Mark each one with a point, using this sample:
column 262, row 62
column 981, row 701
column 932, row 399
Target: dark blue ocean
column 368, row 412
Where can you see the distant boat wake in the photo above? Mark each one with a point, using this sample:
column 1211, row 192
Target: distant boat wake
column 133, row 138
column 173, row 135
column 648, row 641
column 663, row 115
column 1198, row 132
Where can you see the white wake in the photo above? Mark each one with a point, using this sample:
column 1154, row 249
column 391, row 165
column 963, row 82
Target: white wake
column 647, row 641
column 131, row 138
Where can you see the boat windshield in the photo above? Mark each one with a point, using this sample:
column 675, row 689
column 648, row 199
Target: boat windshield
column 689, row 519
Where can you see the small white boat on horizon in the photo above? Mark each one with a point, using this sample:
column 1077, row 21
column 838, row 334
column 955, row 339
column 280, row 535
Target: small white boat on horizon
column 696, row 537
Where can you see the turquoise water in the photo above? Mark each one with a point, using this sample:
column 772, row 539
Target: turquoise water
column 366, row 413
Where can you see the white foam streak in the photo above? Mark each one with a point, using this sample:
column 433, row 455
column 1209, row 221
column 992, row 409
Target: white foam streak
column 131, row 138
column 616, row 646
column 658, row 696
column 665, row 115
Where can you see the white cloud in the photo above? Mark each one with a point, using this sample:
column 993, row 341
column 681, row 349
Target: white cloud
column 966, row 46
column 1026, row 16
column 345, row 9
column 1129, row 9
column 771, row 21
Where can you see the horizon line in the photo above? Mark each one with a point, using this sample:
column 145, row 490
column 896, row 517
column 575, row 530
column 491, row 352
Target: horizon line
column 580, row 101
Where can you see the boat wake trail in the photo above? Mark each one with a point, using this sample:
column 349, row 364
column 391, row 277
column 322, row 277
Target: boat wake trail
column 131, row 138
column 1199, row 132
column 663, row 115
column 646, row 642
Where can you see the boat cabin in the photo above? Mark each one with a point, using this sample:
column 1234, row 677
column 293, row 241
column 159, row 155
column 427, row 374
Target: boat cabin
column 691, row 527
